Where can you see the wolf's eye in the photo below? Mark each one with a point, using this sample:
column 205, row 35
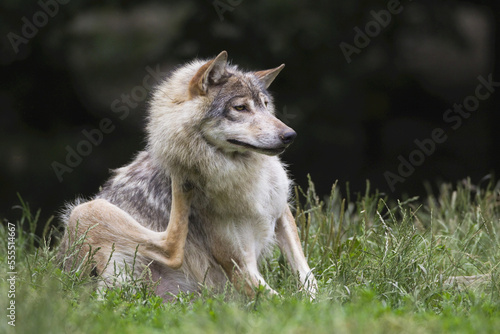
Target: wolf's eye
column 266, row 103
column 240, row 108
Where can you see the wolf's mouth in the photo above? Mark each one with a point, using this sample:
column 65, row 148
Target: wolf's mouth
column 265, row 150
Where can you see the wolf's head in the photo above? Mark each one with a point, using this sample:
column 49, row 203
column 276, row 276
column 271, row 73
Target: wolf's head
column 240, row 114
column 210, row 114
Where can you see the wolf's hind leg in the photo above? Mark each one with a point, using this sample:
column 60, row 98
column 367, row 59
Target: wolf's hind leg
column 111, row 229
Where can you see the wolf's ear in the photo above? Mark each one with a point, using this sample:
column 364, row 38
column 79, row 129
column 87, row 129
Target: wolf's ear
column 211, row 73
column 268, row 76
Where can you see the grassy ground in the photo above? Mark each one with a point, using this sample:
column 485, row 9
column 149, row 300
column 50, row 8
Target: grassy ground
column 382, row 267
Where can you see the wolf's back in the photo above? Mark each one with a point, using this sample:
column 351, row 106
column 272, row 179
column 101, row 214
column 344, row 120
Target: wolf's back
column 143, row 190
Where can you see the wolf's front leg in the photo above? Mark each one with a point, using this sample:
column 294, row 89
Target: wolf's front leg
column 240, row 265
column 247, row 278
column 289, row 243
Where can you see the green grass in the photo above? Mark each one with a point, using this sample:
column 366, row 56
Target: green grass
column 381, row 267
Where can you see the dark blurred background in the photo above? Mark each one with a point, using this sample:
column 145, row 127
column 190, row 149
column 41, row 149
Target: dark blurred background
column 359, row 87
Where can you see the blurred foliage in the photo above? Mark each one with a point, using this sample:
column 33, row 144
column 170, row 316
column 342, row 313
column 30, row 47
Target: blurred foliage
column 353, row 118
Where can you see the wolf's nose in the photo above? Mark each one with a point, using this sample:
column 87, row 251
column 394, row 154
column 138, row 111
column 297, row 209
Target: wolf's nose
column 288, row 137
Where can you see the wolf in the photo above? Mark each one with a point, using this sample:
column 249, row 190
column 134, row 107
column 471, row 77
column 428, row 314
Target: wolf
column 207, row 199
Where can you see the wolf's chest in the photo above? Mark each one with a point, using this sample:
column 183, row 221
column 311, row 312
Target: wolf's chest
column 245, row 218
column 241, row 235
column 258, row 202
